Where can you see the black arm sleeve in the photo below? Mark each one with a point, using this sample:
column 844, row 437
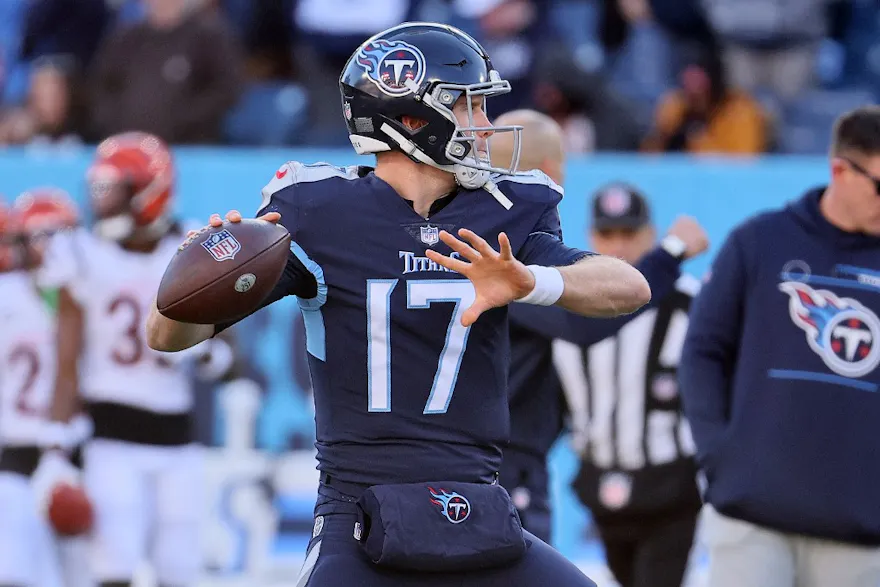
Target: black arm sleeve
column 296, row 280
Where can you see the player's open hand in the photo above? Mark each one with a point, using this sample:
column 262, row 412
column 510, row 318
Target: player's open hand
column 232, row 216
column 498, row 277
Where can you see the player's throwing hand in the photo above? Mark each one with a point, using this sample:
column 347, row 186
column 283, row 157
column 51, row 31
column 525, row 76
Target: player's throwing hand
column 232, row 216
column 498, row 277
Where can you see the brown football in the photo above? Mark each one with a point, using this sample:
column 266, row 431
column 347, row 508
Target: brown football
column 70, row 511
column 224, row 273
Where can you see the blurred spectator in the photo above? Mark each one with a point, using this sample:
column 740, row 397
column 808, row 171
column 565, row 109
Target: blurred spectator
column 13, row 72
column 65, row 27
column 770, row 43
column 265, row 29
column 685, row 20
column 176, row 75
column 592, row 116
column 513, row 32
column 639, row 52
column 54, row 110
column 706, row 116
column 327, row 32
column 618, row 18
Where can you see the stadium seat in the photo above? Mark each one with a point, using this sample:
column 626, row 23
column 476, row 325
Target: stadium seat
column 808, row 119
column 268, row 114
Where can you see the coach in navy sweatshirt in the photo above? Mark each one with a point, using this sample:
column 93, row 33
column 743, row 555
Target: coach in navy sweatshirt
column 781, row 385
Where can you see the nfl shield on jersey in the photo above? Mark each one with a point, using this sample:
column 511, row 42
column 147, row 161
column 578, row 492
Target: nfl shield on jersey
column 430, row 235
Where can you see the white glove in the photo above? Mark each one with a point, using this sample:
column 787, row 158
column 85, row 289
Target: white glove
column 66, row 435
column 80, row 429
column 213, row 358
column 54, row 468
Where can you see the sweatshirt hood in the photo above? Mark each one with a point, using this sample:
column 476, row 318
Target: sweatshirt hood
column 807, row 213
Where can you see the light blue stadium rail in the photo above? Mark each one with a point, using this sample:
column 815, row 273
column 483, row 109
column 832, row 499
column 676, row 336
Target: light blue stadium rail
column 720, row 193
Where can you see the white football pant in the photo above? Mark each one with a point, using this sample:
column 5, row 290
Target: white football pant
column 148, row 507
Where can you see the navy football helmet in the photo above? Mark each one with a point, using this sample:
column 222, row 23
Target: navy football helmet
column 421, row 69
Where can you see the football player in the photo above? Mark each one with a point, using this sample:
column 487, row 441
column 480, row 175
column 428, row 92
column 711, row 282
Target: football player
column 30, row 554
column 142, row 469
column 406, row 323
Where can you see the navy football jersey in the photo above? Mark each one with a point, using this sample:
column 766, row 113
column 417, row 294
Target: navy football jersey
column 403, row 392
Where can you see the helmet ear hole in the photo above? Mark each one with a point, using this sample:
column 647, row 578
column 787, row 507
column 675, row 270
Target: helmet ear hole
column 412, row 123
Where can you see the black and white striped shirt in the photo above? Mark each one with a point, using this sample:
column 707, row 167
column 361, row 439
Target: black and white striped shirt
column 626, row 419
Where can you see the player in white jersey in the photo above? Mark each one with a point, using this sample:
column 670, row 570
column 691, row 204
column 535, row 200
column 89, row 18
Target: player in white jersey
column 30, row 553
column 142, row 470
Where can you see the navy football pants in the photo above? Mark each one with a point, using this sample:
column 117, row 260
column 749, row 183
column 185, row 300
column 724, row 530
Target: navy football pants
column 335, row 559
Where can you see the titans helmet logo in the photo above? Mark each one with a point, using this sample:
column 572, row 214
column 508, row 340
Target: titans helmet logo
column 844, row 333
column 454, row 506
column 391, row 64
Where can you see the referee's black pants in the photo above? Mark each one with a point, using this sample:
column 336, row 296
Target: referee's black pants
column 651, row 551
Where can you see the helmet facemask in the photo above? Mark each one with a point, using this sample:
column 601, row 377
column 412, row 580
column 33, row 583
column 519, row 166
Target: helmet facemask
column 462, row 147
column 471, row 167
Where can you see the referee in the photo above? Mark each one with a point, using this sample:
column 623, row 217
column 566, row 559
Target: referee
column 637, row 473
column 618, row 384
column 537, row 405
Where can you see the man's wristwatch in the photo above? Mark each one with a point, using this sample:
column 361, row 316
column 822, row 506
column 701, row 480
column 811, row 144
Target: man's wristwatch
column 674, row 246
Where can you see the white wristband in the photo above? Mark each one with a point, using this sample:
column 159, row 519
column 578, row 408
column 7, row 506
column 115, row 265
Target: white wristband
column 548, row 286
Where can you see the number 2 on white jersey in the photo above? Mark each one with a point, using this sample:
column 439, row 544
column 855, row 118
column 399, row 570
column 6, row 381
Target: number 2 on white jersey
column 419, row 296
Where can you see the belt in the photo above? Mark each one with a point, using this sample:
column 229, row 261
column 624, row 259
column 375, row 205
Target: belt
column 351, row 489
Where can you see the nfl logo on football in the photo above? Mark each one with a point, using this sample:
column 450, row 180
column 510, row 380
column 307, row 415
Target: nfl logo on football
column 430, row 235
column 222, row 245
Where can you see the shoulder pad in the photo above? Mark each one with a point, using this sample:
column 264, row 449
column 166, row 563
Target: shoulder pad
column 294, row 172
column 688, row 285
column 535, row 179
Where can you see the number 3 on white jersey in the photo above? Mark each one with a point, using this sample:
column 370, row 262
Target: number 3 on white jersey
column 419, row 295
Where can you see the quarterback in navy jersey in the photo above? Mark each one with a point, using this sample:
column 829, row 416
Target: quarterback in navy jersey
column 407, row 324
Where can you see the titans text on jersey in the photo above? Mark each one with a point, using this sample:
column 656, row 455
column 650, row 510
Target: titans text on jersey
column 412, row 263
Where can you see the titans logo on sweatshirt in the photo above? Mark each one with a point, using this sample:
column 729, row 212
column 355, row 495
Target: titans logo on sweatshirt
column 843, row 332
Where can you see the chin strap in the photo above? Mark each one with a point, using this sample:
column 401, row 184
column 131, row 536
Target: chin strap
column 467, row 177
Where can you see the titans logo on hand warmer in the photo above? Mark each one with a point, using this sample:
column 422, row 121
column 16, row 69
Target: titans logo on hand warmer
column 840, row 330
column 454, row 506
column 389, row 64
